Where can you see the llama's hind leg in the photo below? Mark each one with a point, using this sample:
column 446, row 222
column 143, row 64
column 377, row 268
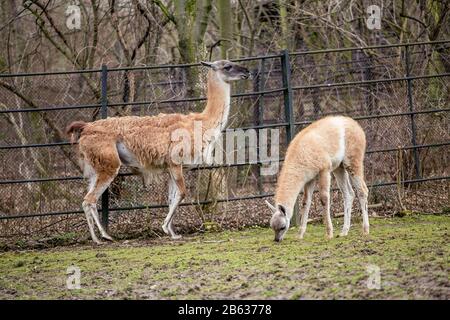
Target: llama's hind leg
column 103, row 232
column 90, row 222
column 177, row 191
column 362, row 192
column 348, row 194
column 90, row 201
column 101, row 165
column 357, row 178
column 89, row 173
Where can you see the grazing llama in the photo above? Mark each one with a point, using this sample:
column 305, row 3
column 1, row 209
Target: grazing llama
column 330, row 145
column 146, row 144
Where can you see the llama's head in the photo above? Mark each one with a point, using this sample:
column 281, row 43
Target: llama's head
column 279, row 221
column 227, row 70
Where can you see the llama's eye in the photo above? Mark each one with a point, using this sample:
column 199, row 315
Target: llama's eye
column 281, row 229
column 227, row 67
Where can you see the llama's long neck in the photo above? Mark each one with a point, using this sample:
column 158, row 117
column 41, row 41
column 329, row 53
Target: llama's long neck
column 290, row 183
column 218, row 104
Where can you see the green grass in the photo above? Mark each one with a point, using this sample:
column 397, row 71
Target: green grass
column 411, row 252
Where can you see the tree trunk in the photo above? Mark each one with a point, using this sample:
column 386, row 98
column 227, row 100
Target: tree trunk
column 226, row 28
column 284, row 24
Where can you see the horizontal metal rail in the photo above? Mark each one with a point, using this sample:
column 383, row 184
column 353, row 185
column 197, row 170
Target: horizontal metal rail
column 161, row 206
column 36, row 145
column 139, row 103
column 39, row 180
column 352, row 83
column 49, row 73
column 386, row 115
column 56, row 108
column 419, row 146
column 236, row 95
column 140, row 207
column 383, row 46
column 352, row 62
column 153, row 67
column 187, row 65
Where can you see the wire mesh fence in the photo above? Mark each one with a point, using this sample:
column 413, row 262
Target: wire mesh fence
column 398, row 93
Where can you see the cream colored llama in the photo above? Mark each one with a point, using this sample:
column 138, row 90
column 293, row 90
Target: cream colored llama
column 145, row 144
column 330, row 145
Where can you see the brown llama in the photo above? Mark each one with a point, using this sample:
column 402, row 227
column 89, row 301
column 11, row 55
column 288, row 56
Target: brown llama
column 146, row 144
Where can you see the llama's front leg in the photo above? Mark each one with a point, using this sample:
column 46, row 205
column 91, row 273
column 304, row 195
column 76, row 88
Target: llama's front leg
column 176, row 195
column 304, row 212
column 324, row 189
column 174, row 200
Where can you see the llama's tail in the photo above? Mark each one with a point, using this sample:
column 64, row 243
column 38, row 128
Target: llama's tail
column 75, row 129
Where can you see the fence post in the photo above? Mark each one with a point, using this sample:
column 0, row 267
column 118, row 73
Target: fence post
column 104, row 115
column 367, row 75
column 259, row 114
column 288, row 111
column 411, row 109
column 289, row 114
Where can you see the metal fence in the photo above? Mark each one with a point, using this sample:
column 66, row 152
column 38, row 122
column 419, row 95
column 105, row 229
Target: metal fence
column 399, row 93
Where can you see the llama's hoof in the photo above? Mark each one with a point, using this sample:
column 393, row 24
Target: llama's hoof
column 343, row 234
column 176, row 237
column 107, row 237
column 300, row 236
column 366, row 230
column 329, row 236
column 97, row 242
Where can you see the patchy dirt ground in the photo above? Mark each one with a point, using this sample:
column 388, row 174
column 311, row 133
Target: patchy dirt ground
column 412, row 254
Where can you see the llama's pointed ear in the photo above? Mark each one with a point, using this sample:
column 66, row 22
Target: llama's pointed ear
column 271, row 207
column 206, row 64
column 282, row 209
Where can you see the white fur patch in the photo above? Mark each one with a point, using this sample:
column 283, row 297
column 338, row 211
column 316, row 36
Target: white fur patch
column 340, row 154
column 126, row 156
column 90, row 174
column 226, row 110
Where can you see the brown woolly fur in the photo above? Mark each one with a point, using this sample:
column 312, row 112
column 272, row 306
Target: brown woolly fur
column 330, row 145
column 148, row 138
column 146, row 145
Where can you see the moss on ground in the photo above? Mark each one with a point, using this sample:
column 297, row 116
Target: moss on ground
column 411, row 252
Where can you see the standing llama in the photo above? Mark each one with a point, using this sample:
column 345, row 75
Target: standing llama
column 146, row 144
column 330, row 145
